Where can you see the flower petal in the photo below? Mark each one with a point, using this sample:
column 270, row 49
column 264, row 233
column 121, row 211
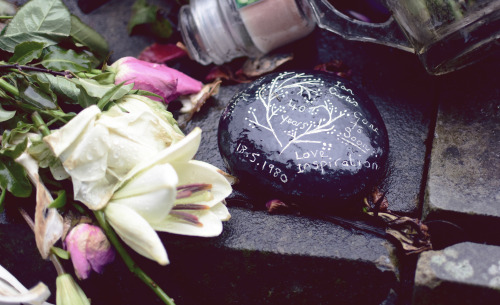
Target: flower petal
column 139, row 105
column 201, row 172
column 76, row 242
column 95, row 194
column 150, row 193
column 62, row 138
column 89, row 249
column 36, row 295
column 181, row 151
column 157, row 78
column 86, row 159
column 99, row 250
column 211, row 225
column 221, row 211
column 137, row 132
column 136, row 232
column 13, row 292
column 83, row 149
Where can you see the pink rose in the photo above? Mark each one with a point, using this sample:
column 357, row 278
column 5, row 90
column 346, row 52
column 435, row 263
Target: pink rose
column 89, row 249
column 156, row 78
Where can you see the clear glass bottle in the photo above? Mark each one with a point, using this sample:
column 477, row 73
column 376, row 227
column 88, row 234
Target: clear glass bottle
column 217, row 31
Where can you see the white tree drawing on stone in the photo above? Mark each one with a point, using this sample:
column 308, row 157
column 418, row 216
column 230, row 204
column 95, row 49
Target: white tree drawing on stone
column 304, row 84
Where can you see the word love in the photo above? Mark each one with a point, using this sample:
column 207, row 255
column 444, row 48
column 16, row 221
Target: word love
column 311, row 154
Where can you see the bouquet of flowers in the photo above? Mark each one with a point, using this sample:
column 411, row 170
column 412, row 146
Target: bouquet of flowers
column 120, row 168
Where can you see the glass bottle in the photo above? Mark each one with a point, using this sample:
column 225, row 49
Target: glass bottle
column 217, row 31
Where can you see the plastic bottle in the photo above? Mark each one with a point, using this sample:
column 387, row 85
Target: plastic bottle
column 217, row 31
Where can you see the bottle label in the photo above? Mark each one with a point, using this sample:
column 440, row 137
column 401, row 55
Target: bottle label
column 242, row 3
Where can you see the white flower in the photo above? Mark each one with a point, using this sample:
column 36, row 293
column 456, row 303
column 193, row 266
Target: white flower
column 98, row 149
column 169, row 193
column 13, row 292
column 133, row 162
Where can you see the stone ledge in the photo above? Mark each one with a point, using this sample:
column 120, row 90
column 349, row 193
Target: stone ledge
column 466, row 273
column 464, row 175
column 284, row 259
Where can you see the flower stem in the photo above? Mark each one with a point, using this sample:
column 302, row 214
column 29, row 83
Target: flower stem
column 6, row 17
column 36, row 69
column 113, row 238
column 40, row 124
column 8, row 87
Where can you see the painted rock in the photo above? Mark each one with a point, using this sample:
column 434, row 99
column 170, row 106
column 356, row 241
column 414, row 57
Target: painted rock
column 310, row 137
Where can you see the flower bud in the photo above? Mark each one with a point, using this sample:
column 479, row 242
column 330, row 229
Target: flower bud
column 68, row 292
column 156, row 78
column 89, row 249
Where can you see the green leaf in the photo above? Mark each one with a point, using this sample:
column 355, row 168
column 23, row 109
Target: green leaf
column 6, row 115
column 46, row 21
column 14, row 151
column 60, row 201
column 95, row 89
column 85, row 35
column 9, row 136
column 162, row 28
column 26, row 52
column 61, row 86
column 142, row 13
column 85, row 100
column 2, row 199
column 41, row 152
column 59, row 59
column 103, row 102
column 147, row 93
column 107, row 78
column 60, row 252
column 36, row 94
column 13, row 178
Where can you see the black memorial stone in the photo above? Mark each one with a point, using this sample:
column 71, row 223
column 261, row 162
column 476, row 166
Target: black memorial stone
column 310, row 137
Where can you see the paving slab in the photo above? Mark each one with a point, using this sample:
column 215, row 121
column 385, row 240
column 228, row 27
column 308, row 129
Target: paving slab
column 465, row 273
column 259, row 259
column 286, row 259
column 464, row 175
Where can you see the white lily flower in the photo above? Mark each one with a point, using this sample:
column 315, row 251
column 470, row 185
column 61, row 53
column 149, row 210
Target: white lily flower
column 98, row 149
column 13, row 292
column 134, row 162
column 207, row 207
column 170, row 193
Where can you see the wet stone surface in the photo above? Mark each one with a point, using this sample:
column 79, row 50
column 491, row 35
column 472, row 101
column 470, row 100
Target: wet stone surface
column 465, row 273
column 307, row 136
column 464, row 176
column 285, row 259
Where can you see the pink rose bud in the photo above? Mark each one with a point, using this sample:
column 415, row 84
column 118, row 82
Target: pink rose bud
column 89, row 249
column 156, row 78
